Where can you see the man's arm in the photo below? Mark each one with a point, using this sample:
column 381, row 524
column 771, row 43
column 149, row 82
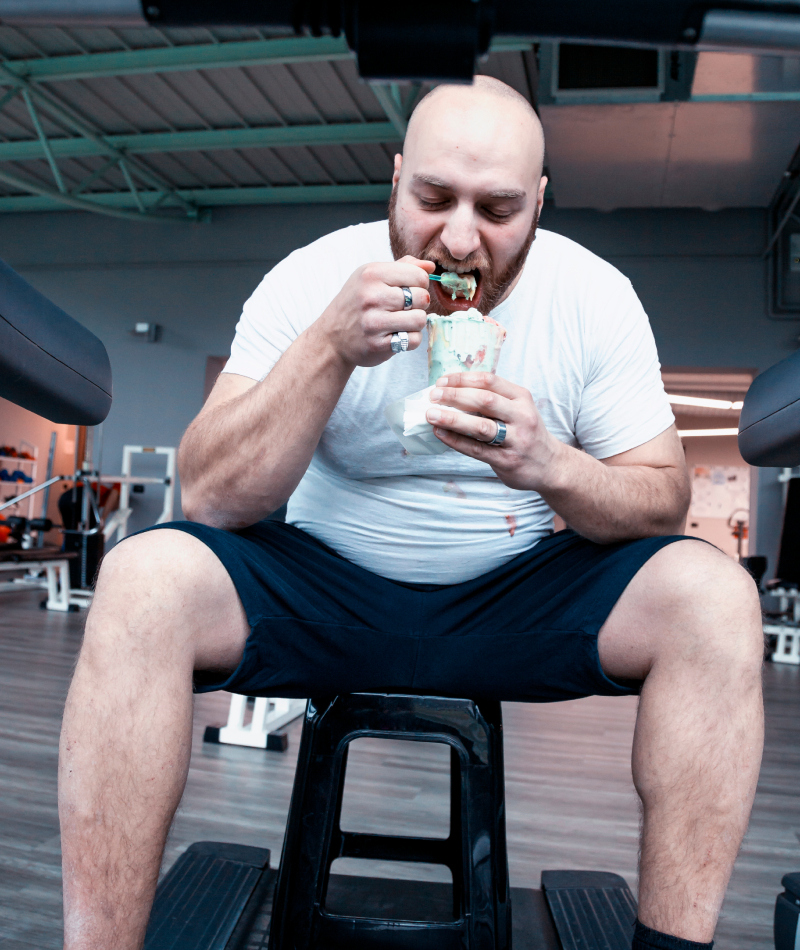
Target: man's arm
column 639, row 493
column 252, row 442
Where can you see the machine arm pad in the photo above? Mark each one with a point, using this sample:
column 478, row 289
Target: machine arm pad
column 49, row 363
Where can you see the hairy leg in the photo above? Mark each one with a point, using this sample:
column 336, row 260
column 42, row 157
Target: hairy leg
column 164, row 606
column 689, row 625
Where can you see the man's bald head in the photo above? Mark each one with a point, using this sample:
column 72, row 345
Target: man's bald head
column 485, row 93
column 468, row 188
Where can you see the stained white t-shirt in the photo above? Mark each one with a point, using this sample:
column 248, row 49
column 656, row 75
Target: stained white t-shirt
column 578, row 339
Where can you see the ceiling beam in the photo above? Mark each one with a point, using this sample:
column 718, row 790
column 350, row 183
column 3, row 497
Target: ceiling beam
column 353, row 133
column 391, row 108
column 203, row 197
column 52, row 200
column 198, row 56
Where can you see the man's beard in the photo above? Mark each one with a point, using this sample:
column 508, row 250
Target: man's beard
column 493, row 285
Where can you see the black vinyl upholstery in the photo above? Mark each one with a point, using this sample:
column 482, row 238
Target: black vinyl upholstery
column 49, row 363
column 769, row 426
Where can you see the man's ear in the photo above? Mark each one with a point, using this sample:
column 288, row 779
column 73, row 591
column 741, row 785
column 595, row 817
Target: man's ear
column 540, row 196
column 398, row 164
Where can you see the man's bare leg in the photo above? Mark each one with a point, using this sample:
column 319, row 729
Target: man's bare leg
column 164, row 606
column 689, row 624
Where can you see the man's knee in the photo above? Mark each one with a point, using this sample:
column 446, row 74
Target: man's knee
column 689, row 604
column 713, row 603
column 164, row 593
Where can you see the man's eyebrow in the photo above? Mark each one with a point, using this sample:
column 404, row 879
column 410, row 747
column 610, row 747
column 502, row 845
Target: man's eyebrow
column 430, row 180
column 513, row 195
column 508, row 194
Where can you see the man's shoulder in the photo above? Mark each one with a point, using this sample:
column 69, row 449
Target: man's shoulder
column 348, row 247
column 574, row 260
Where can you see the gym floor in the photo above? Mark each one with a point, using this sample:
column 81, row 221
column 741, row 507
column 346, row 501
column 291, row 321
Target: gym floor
column 570, row 800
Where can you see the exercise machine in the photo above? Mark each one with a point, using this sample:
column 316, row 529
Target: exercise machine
column 118, row 522
column 769, row 435
column 55, row 367
column 49, row 363
column 227, row 897
column 421, row 40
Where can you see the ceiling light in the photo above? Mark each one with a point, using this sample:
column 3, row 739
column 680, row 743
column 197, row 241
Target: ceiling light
column 684, row 433
column 704, row 402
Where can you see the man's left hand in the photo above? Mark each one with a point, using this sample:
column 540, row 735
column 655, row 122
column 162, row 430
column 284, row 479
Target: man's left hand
column 526, row 458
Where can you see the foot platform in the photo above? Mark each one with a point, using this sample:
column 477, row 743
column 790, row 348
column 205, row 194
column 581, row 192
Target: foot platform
column 208, row 897
column 591, row 910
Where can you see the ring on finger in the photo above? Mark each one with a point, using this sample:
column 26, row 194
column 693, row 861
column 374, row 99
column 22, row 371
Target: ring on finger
column 500, row 435
column 408, row 300
column 399, row 342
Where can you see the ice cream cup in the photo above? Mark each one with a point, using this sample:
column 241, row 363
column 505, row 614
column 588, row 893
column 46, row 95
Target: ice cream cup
column 463, row 343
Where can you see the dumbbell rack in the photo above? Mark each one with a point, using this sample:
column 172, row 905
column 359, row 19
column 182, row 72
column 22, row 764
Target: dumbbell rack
column 29, row 467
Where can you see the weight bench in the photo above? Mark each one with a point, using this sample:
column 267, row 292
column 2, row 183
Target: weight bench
column 55, row 564
column 226, row 897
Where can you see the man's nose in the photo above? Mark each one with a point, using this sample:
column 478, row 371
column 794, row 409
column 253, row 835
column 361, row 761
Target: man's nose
column 460, row 234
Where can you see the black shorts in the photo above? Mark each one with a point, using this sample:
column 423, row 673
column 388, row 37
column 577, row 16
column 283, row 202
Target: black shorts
column 320, row 625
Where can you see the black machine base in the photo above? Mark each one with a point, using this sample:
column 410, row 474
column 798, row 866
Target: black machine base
column 218, row 896
column 787, row 913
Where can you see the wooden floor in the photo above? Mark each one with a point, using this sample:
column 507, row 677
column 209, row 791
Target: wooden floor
column 570, row 799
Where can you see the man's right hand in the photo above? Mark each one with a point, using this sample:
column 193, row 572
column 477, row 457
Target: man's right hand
column 361, row 319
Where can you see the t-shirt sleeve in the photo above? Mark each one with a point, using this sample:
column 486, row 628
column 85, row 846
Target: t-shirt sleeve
column 271, row 321
column 623, row 404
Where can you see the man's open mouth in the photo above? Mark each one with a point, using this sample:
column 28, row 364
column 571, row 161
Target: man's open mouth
column 460, row 290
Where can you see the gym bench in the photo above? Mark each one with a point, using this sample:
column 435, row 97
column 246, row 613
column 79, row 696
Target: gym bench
column 54, row 563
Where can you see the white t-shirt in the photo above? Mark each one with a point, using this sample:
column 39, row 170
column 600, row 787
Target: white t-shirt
column 578, row 339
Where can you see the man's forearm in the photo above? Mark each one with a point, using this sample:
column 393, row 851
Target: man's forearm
column 608, row 503
column 241, row 460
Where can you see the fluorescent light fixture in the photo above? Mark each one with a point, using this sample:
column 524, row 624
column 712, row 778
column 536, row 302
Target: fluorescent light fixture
column 685, row 433
column 704, row 402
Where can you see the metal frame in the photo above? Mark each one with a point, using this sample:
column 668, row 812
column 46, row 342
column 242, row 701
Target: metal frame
column 126, row 479
column 148, row 194
column 142, row 193
column 55, row 581
column 269, row 715
column 783, row 219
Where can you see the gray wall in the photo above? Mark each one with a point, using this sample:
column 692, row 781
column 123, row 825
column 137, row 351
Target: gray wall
column 699, row 275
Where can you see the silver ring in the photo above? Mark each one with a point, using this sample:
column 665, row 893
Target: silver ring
column 408, row 300
column 500, row 437
column 399, row 342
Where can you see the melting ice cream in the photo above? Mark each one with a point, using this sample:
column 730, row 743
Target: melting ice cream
column 463, row 342
column 455, row 284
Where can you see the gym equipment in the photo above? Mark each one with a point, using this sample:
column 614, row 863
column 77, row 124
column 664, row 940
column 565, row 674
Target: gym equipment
column 268, row 716
column 769, row 434
column 87, row 525
column 53, row 366
column 51, row 561
column 769, row 424
column 783, row 625
column 49, row 363
column 118, row 522
column 224, row 897
column 474, row 851
column 423, row 40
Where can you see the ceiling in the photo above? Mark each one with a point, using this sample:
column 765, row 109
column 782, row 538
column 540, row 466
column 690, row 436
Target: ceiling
column 726, row 149
column 148, row 121
column 204, row 117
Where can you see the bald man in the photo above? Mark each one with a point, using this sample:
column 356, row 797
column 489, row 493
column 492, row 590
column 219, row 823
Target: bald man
column 442, row 573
